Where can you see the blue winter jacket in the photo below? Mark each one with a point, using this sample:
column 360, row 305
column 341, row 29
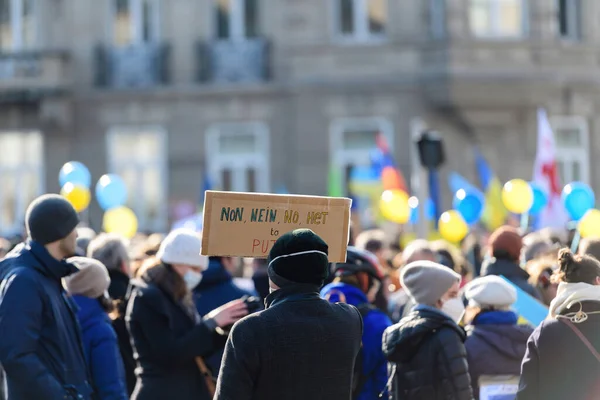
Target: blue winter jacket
column 40, row 340
column 101, row 350
column 374, row 323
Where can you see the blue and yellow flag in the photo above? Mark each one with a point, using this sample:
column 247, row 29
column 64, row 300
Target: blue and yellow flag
column 494, row 213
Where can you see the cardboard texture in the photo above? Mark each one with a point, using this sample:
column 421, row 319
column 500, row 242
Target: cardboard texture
column 248, row 224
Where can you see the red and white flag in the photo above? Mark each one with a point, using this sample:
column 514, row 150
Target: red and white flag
column 545, row 174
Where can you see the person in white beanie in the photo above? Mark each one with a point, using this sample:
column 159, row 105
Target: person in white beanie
column 167, row 333
column 425, row 350
column 88, row 288
column 495, row 342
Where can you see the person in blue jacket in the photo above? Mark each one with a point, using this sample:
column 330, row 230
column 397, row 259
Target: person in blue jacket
column 88, row 288
column 357, row 282
column 40, row 340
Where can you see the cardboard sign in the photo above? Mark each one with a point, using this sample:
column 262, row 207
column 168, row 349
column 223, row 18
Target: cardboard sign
column 248, row 224
column 498, row 387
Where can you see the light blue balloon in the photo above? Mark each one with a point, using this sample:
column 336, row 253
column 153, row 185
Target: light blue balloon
column 540, row 199
column 578, row 198
column 470, row 204
column 111, row 191
column 76, row 173
column 429, row 212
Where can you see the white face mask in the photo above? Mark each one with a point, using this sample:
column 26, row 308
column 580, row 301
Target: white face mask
column 192, row 279
column 454, row 308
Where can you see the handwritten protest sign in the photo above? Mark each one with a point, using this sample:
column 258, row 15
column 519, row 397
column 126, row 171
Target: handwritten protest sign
column 498, row 387
column 248, row 224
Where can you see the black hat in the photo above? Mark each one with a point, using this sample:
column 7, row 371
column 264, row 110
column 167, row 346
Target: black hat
column 49, row 218
column 299, row 256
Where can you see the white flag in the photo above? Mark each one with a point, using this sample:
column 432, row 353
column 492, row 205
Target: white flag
column 545, row 174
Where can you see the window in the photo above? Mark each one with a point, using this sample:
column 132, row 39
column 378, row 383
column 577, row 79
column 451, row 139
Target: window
column 360, row 20
column 21, row 177
column 238, row 156
column 18, row 24
column 569, row 19
column 437, row 18
column 135, row 21
column 138, row 155
column 236, row 19
column 572, row 148
column 498, row 18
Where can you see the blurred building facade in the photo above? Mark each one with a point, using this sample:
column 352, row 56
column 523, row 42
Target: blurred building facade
column 259, row 94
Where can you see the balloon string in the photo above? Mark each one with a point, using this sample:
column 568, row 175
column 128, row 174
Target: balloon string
column 575, row 242
column 524, row 222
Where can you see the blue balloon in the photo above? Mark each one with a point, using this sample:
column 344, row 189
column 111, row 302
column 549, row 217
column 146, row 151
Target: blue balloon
column 469, row 204
column 76, row 173
column 578, row 198
column 540, row 199
column 111, row 191
column 429, row 212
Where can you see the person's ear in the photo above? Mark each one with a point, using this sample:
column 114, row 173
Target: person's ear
column 598, row 281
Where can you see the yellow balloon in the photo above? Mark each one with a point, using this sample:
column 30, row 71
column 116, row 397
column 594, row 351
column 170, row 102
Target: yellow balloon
column 120, row 220
column 589, row 225
column 394, row 206
column 517, row 196
column 452, row 226
column 78, row 196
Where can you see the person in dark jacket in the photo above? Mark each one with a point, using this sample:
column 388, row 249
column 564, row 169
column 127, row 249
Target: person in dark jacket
column 301, row 347
column 495, row 343
column 215, row 289
column 357, row 282
column 88, row 288
column 40, row 347
column 111, row 250
column 505, row 246
column 558, row 364
column 425, row 350
column 168, row 334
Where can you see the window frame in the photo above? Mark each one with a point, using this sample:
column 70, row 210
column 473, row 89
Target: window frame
column 237, row 21
column 341, row 157
column 361, row 33
column 21, row 203
column 16, row 25
column 492, row 31
column 113, row 165
column 137, row 25
column 260, row 159
column 580, row 154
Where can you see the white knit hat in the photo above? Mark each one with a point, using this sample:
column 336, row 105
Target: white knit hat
column 182, row 246
column 490, row 292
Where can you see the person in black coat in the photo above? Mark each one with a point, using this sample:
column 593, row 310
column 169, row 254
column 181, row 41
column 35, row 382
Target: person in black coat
column 425, row 350
column 558, row 364
column 111, row 250
column 40, row 341
column 301, row 347
column 168, row 334
column 495, row 342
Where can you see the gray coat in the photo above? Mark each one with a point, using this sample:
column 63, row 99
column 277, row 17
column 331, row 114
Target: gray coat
column 301, row 347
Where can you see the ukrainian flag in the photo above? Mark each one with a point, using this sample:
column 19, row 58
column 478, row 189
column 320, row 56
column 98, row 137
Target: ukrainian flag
column 494, row 213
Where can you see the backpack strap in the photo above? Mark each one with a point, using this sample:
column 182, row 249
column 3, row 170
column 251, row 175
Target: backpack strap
column 581, row 336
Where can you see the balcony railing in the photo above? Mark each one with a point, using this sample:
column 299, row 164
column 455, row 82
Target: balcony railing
column 138, row 66
column 230, row 61
column 31, row 74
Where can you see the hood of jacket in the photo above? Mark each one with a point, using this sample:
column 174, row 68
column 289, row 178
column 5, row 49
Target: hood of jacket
column 402, row 341
column 335, row 292
column 507, row 268
column 89, row 311
column 215, row 274
column 508, row 340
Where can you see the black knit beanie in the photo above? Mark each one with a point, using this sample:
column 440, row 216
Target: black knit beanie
column 49, row 218
column 299, row 256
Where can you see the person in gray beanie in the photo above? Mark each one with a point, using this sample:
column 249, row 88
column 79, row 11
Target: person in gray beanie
column 425, row 350
column 41, row 348
column 301, row 346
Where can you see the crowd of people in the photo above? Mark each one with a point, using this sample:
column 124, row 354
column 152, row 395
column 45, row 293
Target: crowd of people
column 86, row 315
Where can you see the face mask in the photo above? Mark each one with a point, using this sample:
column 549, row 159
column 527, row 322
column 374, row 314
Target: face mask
column 192, row 279
column 454, row 308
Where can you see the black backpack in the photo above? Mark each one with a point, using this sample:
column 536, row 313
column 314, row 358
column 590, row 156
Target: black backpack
column 358, row 379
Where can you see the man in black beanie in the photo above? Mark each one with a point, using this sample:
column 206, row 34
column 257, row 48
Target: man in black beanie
column 301, row 346
column 40, row 345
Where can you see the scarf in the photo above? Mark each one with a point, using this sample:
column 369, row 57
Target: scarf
column 569, row 294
